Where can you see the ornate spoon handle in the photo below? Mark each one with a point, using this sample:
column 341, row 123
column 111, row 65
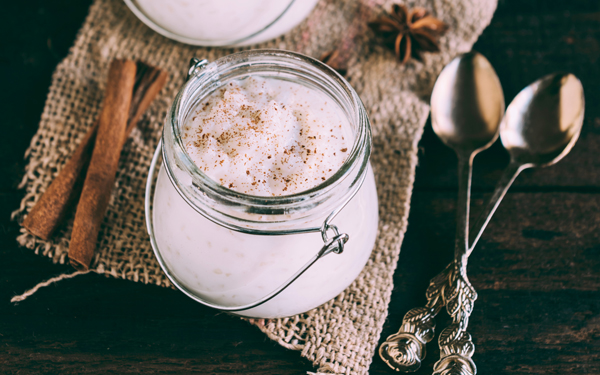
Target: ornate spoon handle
column 404, row 350
column 456, row 352
column 456, row 346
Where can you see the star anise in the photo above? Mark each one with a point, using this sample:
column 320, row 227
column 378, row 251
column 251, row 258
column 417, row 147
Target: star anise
column 409, row 33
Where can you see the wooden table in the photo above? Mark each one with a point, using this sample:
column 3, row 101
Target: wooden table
column 537, row 267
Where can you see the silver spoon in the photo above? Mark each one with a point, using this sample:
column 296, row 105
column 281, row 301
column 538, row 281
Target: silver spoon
column 540, row 127
column 467, row 105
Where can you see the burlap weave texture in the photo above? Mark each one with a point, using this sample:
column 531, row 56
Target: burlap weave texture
column 340, row 336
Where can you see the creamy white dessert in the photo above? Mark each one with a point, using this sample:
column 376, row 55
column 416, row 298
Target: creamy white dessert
column 226, row 20
column 266, row 137
column 230, row 268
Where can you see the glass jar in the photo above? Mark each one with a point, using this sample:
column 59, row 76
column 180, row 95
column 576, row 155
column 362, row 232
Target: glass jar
column 221, row 22
column 258, row 256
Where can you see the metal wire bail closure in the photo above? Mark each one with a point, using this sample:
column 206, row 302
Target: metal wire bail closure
column 336, row 243
column 333, row 240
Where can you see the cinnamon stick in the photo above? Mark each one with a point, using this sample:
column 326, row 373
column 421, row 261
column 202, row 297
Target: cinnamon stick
column 52, row 207
column 100, row 177
column 149, row 82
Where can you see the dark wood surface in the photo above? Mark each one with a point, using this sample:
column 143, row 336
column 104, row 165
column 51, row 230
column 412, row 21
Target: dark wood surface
column 537, row 267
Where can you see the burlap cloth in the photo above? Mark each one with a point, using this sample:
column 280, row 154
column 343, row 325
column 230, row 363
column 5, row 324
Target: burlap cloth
column 340, row 336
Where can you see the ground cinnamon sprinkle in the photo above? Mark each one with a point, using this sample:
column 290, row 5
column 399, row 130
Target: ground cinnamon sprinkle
column 269, row 130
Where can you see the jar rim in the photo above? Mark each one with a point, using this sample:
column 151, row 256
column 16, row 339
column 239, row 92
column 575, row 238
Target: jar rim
column 355, row 164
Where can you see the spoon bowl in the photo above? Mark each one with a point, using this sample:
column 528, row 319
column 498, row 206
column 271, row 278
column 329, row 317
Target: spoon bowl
column 544, row 120
column 541, row 126
column 467, row 104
